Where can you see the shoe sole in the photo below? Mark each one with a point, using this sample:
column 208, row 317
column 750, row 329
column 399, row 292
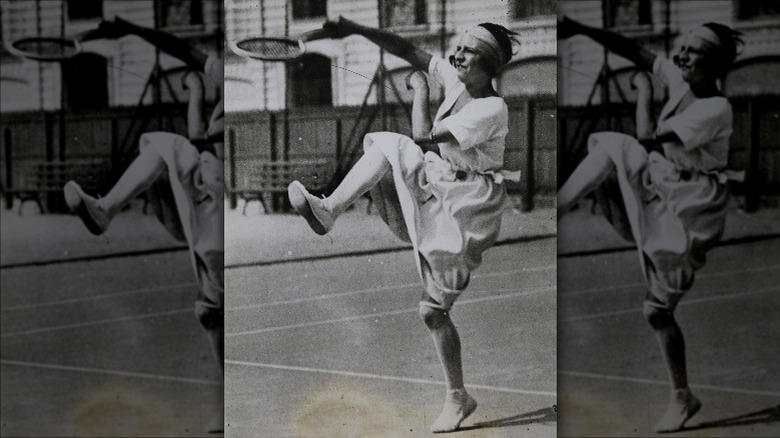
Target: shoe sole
column 72, row 193
column 296, row 195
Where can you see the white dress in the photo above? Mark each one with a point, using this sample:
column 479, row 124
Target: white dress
column 449, row 207
column 190, row 203
column 675, row 204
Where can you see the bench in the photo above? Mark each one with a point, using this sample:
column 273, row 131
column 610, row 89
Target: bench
column 261, row 180
column 44, row 180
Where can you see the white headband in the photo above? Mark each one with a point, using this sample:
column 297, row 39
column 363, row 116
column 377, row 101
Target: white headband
column 488, row 46
column 708, row 36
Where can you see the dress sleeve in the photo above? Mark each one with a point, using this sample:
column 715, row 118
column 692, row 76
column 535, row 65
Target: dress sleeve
column 442, row 72
column 478, row 121
column 665, row 70
column 701, row 122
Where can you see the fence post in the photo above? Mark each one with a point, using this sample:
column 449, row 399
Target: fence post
column 9, row 197
column 753, row 177
column 528, row 174
column 231, row 176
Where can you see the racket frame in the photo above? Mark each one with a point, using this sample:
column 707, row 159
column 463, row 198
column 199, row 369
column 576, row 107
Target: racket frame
column 312, row 35
column 13, row 49
column 234, row 46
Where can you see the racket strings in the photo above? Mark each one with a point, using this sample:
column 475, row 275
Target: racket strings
column 46, row 48
column 270, row 48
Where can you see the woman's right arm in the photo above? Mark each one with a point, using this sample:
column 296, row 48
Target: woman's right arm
column 387, row 40
column 614, row 42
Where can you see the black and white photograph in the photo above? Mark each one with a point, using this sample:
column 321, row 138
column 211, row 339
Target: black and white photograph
column 390, row 227
column 112, row 218
column 389, row 218
column 668, row 218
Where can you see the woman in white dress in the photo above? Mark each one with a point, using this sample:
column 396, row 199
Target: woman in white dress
column 672, row 179
column 183, row 177
column 441, row 190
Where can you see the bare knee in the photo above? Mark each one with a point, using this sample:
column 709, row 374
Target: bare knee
column 657, row 317
column 433, row 314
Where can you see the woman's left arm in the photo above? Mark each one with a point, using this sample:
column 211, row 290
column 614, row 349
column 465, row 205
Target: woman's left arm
column 654, row 141
column 423, row 132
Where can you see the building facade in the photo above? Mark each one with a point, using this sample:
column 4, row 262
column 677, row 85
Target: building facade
column 658, row 25
column 108, row 73
column 339, row 72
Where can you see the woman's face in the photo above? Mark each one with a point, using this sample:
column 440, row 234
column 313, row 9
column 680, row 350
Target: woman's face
column 692, row 60
column 468, row 61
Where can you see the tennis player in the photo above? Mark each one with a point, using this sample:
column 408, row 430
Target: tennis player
column 443, row 189
column 184, row 177
column 672, row 180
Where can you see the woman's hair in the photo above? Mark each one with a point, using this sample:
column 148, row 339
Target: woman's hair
column 504, row 37
column 729, row 39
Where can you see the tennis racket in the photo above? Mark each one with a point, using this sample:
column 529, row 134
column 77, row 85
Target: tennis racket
column 45, row 48
column 52, row 49
column 279, row 48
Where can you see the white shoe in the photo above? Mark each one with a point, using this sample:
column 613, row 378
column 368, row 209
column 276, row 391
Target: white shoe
column 458, row 406
column 682, row 406
column 312, row 209
column 95, row 218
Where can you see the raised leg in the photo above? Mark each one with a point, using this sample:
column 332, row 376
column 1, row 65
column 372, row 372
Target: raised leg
column 321, row 213
column 588, row 175
column 139, row 176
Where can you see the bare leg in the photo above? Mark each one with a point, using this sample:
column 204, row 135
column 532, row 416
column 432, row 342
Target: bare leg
column 458, row 403
column 588, row 175
column 211, row 318
column 321, row 213
column 143, row 171
column 366, row 173
column 682, row 404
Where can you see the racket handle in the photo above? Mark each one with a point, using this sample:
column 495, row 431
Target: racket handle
column 319, row 34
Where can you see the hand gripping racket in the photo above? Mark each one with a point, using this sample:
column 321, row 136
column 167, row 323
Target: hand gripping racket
column 279, row 48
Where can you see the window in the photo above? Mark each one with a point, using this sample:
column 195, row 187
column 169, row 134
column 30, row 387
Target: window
column 309, row 8
column 405, row 12
column 309, row 81
column 753, row 9
column 628, row 13
column 532, row 8
column 84, row 9
column 85, row 79
column 178, row 13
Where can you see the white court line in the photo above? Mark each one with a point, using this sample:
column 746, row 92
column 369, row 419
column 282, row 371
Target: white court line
column 89, row 323
column 99, row 297
column 644, row 284
column 383, row 314
column 665, row 383
column 378, row 289
column 683, row 303
column 109, row 372
column 383, row 377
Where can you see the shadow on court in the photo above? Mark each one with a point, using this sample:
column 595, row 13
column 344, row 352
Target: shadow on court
column 766, row 416
column 541, row 416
